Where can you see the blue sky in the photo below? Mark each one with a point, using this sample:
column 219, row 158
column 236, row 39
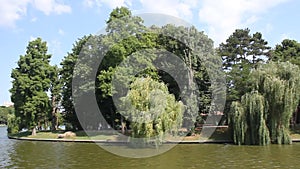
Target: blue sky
column 61, row 22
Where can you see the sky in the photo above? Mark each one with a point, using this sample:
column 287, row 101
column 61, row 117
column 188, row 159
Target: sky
column 61, row 22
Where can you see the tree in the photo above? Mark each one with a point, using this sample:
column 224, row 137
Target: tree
column 265, row 113
column 55, row 90
column 288, row 51
column 196, row 51
column 153, row 112
column 66, row 76
column 126, row 35
column 123, row 38
column 4, row 113
column 247, row 120
column 240, row 54
column 31, row 81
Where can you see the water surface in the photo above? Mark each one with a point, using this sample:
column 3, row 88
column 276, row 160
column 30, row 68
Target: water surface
column 44, row 155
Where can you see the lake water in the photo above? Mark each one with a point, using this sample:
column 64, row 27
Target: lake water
column 52, row 155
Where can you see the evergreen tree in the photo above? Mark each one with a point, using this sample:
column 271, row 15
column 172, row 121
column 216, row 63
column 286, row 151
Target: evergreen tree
column 288, row 50
column 240, row 54
column 31, row 81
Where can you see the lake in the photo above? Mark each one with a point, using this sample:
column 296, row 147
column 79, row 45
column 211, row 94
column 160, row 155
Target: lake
column 52, row 155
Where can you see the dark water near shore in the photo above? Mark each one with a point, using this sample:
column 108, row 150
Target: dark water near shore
column 44, row 155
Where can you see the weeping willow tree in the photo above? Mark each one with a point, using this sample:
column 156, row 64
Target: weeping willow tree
column 237, row 123
column 248, row 120
column 263, row 116
column 279, row 83
column 151, row 110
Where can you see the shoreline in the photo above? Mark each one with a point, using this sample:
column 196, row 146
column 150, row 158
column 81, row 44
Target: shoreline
column 126, row 142
column 120, row 142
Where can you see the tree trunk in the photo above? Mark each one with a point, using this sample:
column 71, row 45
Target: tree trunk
column 33, row 131
column 54, row 122
column 123, row 124
column 54, row 115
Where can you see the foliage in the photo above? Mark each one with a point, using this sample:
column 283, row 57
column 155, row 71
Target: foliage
column 55, row 90
column 151, row 109
column 279, row 84
column 241, row 53
column 248, row 120
column 264, row 114
column 190, row 45
column 4, row 113
column 31, row 81
column 288, row 50
column 66, row 76
column 13, row 124
column 196, row 51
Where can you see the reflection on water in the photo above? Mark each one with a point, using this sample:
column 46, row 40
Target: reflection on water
column 26, row 154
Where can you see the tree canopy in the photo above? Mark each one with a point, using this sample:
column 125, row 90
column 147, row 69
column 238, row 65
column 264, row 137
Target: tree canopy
column 31, row 81
column 264, row 114
column 241, row 53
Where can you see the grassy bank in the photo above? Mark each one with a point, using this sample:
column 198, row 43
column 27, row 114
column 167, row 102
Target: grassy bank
column 110, row 135
column 218, row 135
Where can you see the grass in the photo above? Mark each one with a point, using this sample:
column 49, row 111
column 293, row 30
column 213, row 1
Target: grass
column 80, row 135
column 295, row 132
column 219, row 134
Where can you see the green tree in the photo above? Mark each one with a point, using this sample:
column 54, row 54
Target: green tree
column 240, row 54
column 31, row 81
column 55, row 90
column 197, row 52
column 247, row 120
column 153, row 112
column 126, row 35
column 66, row 77
column 123, row 38
column 288, row 50
column 4, row 113
column 264, row 114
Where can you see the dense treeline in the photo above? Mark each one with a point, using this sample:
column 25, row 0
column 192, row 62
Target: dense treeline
column 5, row 113
column 261, row 98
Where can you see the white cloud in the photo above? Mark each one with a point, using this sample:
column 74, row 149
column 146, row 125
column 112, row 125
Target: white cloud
column 110, row 3
column 224, row 16
column 176, row 8
column 13, row 10
column 51, row 6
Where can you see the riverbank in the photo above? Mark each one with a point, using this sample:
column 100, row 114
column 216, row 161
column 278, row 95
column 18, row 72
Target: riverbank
column 220, row 136
column 110, row 136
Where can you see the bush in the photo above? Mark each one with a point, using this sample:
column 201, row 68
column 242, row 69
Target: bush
column 13, row 124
